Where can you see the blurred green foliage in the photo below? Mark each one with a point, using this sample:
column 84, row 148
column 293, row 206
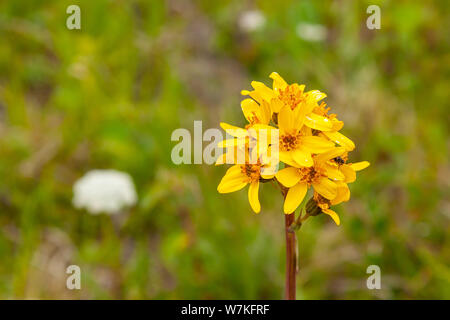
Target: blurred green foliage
column 110, row 95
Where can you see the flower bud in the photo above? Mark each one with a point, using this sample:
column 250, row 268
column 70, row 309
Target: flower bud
column 312, row 209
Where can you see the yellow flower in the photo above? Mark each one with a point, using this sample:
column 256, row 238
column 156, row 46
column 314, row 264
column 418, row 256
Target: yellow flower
column 296, row 142
column 337, row 125
column 322, row 110
column 287, row 124
column 347, row 174
column 239, row 175
column 343, row 194
column 256, row 136
column 321, row 176
column 241, row 136
column 256, row 113
column 348, row 169
column 291, row 96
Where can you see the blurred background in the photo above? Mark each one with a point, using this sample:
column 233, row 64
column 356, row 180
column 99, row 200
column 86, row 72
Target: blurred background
column 108, row 96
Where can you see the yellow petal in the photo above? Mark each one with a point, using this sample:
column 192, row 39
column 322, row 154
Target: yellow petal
column 294, row 197
column 335, row 152
column 316, row 95
column 337, row 125
column 233, row 180
column 265, row 92
column 334, row 173
column 233, row 171
column 357, row 166
column 349, row 173
column 261, row 126
column 340, row 139
column 255, row 113
column 229, row 155
column 333, row 215
column 278, row 81
column 288, row 177
column 227, row 143
column 286, row 157
column 299, row 117
column 343, row 193
column 255, row 95
column 249, row 108
column 253, row 196
column 307, row 131
column 231, row 186
column 270, row 160
column 317, row 122
column 299, row 87
column 316, row 144
column 276, row 105
column 286, row 119
column 233, row 130
column 237, row 154
column 326, row 188
column 266, row 112
column 302, row 157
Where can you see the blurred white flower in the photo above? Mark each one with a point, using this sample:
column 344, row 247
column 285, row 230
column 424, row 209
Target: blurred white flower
column 104, row 191
column 311, row 32
column 251, row 20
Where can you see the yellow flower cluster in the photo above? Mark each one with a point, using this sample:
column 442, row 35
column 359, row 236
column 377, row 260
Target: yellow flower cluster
column 299, row 132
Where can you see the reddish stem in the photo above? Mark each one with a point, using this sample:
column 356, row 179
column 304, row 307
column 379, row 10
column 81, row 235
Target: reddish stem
column 291, row 261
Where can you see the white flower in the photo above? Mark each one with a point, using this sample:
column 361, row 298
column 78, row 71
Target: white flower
column 106, row 191
column 251, row 20
column 311, row 32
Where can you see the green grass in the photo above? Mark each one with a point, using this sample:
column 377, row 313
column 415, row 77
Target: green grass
column 110, row 95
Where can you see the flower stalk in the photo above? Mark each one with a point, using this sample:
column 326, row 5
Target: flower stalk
column 291, row 258
column 288, row 126
column 290, row 226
